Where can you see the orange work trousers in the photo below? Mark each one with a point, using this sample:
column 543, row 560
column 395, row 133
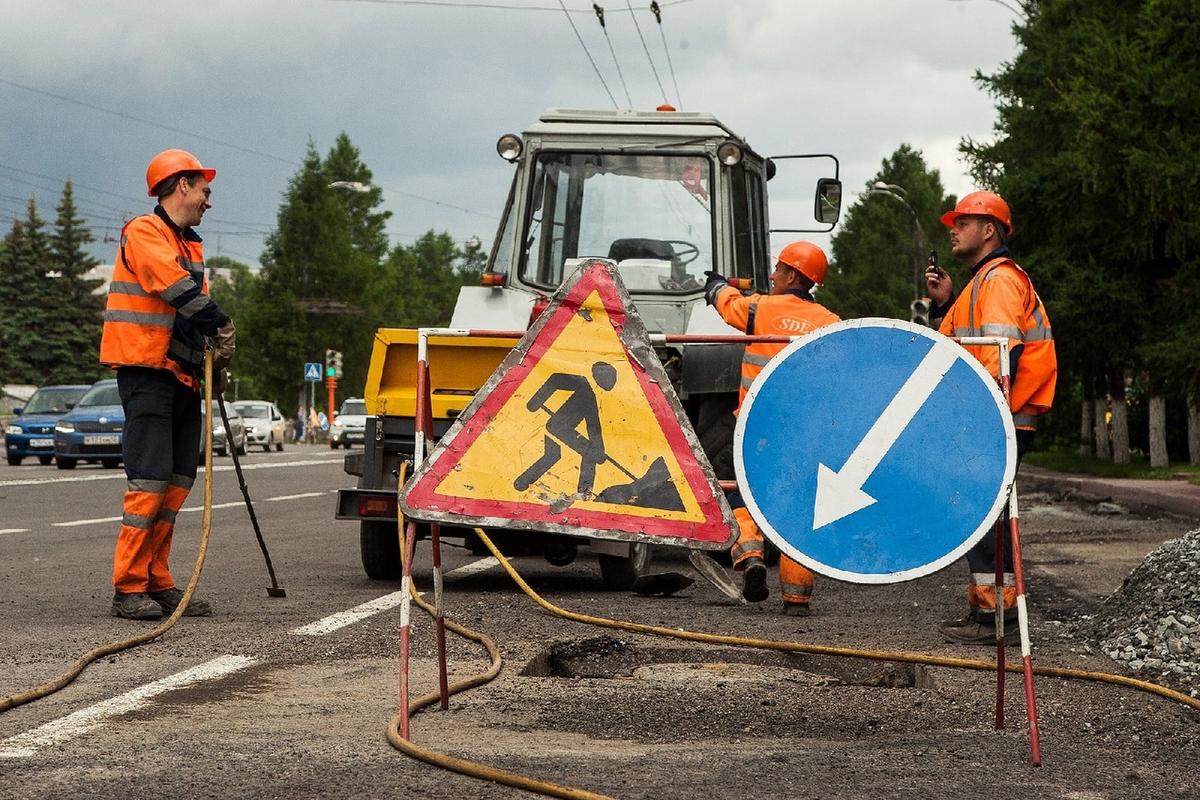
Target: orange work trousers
column 795, row 579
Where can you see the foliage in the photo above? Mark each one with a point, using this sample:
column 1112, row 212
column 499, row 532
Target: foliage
column 1096, row 144
column 1061, row 460
column 875, row 252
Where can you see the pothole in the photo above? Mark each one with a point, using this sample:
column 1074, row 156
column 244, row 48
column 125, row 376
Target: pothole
column 607, row 657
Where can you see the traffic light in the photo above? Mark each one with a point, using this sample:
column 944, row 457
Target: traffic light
column 337, row 363
column 920, row 312
column 329, row 363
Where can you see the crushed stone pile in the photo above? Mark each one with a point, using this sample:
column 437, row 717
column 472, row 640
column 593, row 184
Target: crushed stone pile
column 1151, row 625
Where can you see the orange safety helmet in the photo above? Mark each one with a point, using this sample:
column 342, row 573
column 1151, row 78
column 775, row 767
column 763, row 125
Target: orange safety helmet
column 807, row 259
column 988, row 204
column 172, row 162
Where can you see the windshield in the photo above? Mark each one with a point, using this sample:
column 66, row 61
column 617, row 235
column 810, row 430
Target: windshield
column 652, row 214
column 102, row 394
column 254, row 412
column 53, row 401
column 358, row 407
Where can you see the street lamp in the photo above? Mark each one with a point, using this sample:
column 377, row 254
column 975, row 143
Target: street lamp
column 892, row 190
column 353, row 186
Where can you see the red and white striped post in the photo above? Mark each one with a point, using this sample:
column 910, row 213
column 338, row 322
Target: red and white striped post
column 425, row 433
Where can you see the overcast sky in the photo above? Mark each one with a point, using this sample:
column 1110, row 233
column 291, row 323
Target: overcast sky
column 91, row 90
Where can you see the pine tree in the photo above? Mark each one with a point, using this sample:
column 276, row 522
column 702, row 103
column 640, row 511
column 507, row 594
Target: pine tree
column 73, row 312
column 24, row 291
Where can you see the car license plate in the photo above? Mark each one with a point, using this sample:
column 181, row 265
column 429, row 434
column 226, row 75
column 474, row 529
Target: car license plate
column 104, row 438
column 41, row 443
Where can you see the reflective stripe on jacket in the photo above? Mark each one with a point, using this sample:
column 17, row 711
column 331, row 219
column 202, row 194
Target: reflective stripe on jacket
column 789, row 314
column 1002, row 302
column 158, row 311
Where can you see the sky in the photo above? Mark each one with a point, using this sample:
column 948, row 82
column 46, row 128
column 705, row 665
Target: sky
column 91, row 91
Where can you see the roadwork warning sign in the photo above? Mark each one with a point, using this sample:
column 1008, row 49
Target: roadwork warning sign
column 578, row 431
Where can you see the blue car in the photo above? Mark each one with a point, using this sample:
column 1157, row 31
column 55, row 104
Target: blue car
column 92, row 430
column 31, row 434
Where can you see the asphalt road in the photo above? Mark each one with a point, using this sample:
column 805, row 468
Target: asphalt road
column 275, row 698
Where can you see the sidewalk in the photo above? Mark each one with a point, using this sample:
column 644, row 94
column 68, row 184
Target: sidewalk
column 1177, row 497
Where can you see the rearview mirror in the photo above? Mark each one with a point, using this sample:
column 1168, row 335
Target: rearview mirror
column 17, row 411
column 71, row 404
column 829, row 200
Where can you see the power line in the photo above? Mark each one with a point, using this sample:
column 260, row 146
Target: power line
column 621, row 75
column 647, row 49
column 495, row 6
column 657, row 10
column 588, row 53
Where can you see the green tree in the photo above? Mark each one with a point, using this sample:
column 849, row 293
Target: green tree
column 876, row 248
column 72, row 314
column 24, row 292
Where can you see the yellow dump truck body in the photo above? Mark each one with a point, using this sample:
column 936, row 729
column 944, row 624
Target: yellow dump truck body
column 458, row 367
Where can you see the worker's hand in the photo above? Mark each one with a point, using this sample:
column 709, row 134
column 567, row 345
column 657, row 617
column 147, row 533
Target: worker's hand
column 713, row 286
column 224, row 346
column 939, row 284
column 220, row 381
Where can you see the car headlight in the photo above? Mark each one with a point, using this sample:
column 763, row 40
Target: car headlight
column 14, row 429
column 337, row 426
column 64, row 427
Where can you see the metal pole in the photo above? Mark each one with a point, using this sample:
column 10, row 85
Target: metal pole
column 425, row 432
column 1035, row 743
column 998, row 531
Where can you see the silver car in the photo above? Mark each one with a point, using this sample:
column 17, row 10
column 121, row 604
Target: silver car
column 350, row 424
column 220, row 444
column 264, row 423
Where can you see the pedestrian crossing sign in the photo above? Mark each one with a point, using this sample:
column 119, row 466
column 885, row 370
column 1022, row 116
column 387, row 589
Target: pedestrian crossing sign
column 579, row 432
column 312, row 372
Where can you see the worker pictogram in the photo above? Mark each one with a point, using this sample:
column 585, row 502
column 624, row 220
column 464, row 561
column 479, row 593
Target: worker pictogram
column 908, row 450
column 578, row 431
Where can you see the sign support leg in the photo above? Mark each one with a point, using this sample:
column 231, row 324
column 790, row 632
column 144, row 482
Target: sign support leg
column 1035, row 745
column 406, row 555
column 425, row 431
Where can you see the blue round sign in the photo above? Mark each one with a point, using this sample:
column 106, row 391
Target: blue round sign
column 874, row 451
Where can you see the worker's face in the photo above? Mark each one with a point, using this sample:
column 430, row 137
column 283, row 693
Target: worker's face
column 194, row 194
column 783, row 278
column 970, row 236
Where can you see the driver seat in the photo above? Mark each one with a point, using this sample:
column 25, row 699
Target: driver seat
column 622, row 249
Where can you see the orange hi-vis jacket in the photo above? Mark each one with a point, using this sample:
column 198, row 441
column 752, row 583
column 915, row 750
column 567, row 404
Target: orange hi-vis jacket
column 790, row 314
column 1002, row 302
column 158, row 311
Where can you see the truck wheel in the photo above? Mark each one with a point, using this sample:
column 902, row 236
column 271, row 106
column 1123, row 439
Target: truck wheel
column 380, row 548
column 619, row 572
column 714, row 427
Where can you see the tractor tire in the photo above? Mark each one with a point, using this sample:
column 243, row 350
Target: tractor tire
column 714, row 428
column 380, row 548
column 620, row 572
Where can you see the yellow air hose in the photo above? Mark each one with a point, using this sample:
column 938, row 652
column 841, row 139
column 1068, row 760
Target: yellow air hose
column 482, row 771
column 50, row 687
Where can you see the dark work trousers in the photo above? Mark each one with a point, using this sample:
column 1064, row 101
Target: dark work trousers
column 160, row 446
column 162, row 424
column 982, row 557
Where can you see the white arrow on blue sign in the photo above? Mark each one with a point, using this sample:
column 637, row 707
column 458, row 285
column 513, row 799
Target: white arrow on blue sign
column 312, row 372
column 874, row 451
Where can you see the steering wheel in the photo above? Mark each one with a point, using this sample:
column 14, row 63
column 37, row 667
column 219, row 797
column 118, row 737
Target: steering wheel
column 685, row 252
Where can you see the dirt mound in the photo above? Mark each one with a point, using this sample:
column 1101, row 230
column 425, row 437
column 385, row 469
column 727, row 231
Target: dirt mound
column 1151, row 625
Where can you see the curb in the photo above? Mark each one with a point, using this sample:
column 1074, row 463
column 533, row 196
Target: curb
column 1175, row 497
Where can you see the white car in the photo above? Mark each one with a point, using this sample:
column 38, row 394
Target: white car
column 350, row 424
column 265, row 425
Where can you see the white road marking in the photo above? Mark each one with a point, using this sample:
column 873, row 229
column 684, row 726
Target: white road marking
column 98, row 520
column 78, row 522
column 14, row 530
column 60, row 730
column 389, row 601
column 293, row 496
column 118, row 475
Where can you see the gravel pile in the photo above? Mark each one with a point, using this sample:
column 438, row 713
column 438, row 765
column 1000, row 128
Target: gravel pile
column 1152, row 623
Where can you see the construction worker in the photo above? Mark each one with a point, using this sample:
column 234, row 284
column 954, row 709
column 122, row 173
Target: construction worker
column 788, row 310
column 158, row 323
column 1001, row 302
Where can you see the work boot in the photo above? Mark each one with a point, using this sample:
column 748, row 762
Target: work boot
column 169, row 600
column 978, row 627
column 754, row 581
column 797, row 609
column 135, row 605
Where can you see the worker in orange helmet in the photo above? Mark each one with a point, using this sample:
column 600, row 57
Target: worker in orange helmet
column 158, row 323
column 789, row 310
column 1000, row 301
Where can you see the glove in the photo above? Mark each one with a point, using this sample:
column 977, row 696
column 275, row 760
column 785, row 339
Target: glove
column 224, row 346
column 713, row 286
column 220, row 381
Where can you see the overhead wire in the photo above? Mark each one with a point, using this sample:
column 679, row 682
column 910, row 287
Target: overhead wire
column 657, row 11
column 600, row 16
column 478, row 5
column 588, row 53
column 633, row 16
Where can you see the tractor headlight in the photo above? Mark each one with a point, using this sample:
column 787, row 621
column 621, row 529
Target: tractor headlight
column 509, row 146
column 729, row 154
